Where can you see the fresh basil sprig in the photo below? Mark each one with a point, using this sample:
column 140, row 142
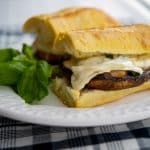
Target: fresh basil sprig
column 7, row 54
column 10, row 72
column 29, row 77
column 34, row 82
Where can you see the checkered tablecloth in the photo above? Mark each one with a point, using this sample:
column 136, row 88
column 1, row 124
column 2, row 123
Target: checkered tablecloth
column 24, row 136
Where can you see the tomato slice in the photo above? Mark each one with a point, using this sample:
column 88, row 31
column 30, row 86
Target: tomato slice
column 50, row 58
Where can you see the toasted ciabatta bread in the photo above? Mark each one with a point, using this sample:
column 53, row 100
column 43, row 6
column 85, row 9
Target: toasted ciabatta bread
column 133, row 39
column 91, row 98
column 48, row 26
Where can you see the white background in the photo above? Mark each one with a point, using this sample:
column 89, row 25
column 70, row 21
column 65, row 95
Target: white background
column 15, row 12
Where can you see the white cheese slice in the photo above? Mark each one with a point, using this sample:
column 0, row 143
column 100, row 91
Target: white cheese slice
column 143, row 63
column 85, row 70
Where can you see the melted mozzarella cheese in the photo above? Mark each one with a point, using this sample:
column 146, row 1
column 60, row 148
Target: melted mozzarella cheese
column 85, row 70
column 142, row 63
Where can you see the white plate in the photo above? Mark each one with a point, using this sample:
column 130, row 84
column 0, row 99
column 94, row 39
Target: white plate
column 52, row 112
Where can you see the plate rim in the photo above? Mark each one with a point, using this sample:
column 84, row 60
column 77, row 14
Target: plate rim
column 19, row 110
column 55, row 123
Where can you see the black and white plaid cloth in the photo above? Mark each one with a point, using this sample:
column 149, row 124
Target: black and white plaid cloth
column 24, row 136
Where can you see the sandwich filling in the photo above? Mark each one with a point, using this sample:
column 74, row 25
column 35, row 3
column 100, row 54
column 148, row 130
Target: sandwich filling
column 50, row 58
column 109, row 72
column 105, row 72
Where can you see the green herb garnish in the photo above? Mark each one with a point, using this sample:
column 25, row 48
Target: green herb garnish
column 28, row 76
column 7, row 54
column 132, row 73
column 109, row 56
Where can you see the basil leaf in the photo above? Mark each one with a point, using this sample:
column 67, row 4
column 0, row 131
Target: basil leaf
column 44, row 72
column 32, row 86
column 10, row 72
column 26, row 56
column 22, row 58
column 27, row 50
column 26, row 86
column 132, row 73
column 26, row 75
column 8, row 54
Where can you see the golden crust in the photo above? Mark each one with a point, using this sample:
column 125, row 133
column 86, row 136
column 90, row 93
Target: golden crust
column 91, row 98
column 48, row 26
column 133, row 39
column 71, row 19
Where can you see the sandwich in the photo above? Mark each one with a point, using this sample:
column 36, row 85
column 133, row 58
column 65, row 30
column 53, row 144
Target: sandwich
column 48, row 26
column 104, row 66
column 100, row 61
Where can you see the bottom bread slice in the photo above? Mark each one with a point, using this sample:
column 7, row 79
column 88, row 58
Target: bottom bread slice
column 90, row 98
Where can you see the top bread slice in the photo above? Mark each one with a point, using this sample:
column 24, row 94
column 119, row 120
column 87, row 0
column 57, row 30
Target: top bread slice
column 133, row 39
column 48, row 26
